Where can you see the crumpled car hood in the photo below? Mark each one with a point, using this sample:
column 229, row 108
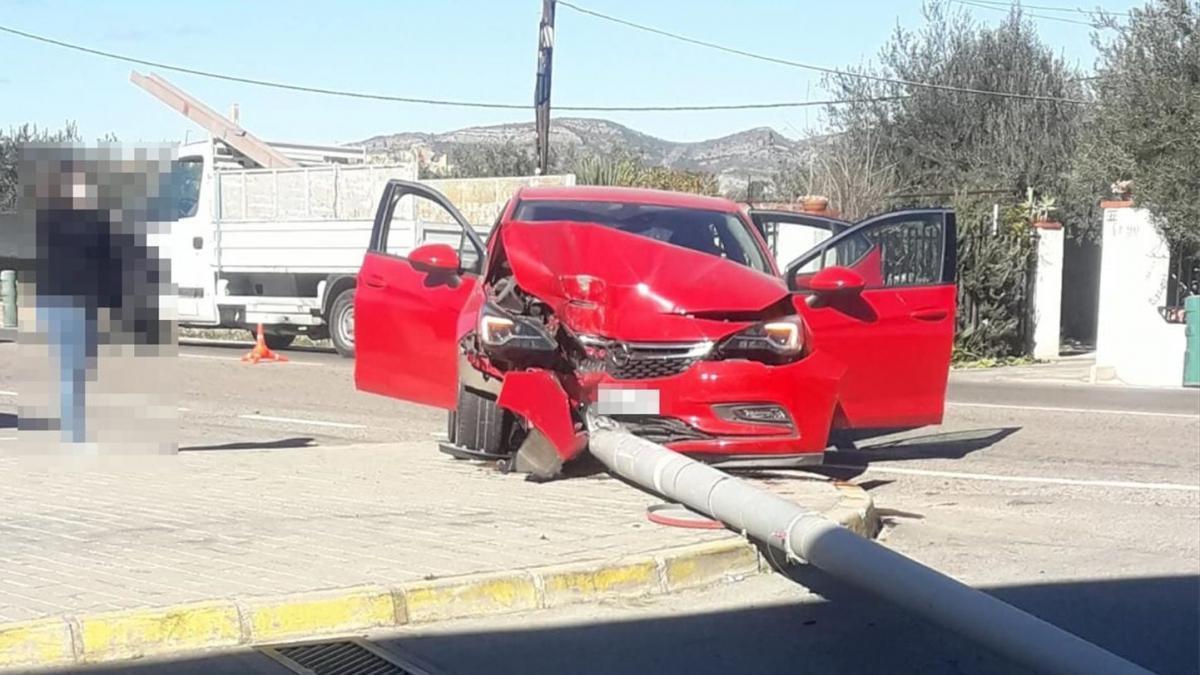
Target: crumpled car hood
column 607, row 282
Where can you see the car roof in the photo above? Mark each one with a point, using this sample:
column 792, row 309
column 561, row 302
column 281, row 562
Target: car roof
column 598, row 193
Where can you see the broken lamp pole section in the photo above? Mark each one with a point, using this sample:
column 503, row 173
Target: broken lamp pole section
column 808, row 537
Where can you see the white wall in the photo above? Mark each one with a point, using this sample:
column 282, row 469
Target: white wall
column 1133, row 342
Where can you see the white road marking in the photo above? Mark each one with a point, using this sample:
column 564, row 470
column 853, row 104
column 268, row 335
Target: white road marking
column 1020, row 479
column 238, row 358
column 1098, row 411
column 8, row 393
column 181, row 409
column 293, row 420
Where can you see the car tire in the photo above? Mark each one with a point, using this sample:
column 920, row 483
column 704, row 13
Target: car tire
column 478, row 423
column 341, row 323
column 278, row 340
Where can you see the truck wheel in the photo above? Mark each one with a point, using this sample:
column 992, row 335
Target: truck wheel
column 278, row 340
column 478, row 423
column 341, row 323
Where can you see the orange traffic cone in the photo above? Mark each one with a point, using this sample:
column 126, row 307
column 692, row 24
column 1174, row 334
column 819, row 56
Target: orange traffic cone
column 261, row 352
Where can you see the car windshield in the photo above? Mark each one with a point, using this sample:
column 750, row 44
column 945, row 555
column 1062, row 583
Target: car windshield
column 713, row 232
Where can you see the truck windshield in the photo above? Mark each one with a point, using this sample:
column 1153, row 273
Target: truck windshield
column 189, row 171
column 713, row 232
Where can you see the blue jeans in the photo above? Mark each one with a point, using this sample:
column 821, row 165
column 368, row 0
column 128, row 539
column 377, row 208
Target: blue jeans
column 71, row 334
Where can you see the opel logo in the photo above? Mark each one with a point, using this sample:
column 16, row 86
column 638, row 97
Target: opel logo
column 618, row 354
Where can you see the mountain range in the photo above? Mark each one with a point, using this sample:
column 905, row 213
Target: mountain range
column 753, row 154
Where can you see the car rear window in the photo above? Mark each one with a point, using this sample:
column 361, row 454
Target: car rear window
column 720, row 234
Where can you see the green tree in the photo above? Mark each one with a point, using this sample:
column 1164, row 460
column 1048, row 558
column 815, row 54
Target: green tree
column 971, row 151
column 10, row 151
column 616, row 170
column 479, row 160
column 677, row 180
column 626, row 171
column 1146, row 124
column 486, row 160
column 939, row 141
column 853, row 171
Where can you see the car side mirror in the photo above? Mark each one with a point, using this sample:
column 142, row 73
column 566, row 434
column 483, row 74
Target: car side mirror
column 836, row 280
column 435, row 257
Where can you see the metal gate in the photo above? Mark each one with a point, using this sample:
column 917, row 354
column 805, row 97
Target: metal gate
column 996, row 272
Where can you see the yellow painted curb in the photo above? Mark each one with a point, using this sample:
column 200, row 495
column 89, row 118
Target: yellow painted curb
column 254, row 620
column 291, row 616
column 45, row 642
column 705, row 564
column 156, row 630
column 588, row 582
column 472, row 595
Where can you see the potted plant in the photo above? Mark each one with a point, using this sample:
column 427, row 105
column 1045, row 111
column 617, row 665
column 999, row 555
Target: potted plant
column 814, row 203
column 1040, row 211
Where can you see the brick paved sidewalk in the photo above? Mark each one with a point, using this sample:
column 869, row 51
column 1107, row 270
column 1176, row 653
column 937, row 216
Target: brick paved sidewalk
column 204, row 525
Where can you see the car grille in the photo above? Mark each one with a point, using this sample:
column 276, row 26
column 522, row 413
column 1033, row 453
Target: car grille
column 661, row 429
column 642, row 370
column 641, row 361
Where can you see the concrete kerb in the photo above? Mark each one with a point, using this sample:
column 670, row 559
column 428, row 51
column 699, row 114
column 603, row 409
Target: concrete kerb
column 256, row 620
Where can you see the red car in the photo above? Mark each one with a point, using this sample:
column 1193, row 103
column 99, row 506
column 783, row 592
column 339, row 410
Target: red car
column 668, row 312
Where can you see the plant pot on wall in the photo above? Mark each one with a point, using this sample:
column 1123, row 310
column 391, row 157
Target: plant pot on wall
column 1047, row 224
column 814, row 203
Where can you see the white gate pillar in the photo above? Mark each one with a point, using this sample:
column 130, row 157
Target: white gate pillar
column 1047, row 293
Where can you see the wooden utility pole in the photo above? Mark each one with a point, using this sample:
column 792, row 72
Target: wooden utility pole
column 541, row 92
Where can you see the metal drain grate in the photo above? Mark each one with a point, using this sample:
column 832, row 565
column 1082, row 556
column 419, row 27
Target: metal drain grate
column 340, row 657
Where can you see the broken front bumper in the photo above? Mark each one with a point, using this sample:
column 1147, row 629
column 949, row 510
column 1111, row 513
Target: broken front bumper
column 698, row 411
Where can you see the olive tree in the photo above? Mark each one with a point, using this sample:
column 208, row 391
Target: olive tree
column 1146, row 123
column 937, row 140
column 10, row 149
column 950, row 145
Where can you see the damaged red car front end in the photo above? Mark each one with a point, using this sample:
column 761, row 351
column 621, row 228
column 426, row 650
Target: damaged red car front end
column 671, row 341
column 666, row 312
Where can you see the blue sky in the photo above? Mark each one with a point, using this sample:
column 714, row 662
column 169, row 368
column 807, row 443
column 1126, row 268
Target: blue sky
column 466, row 49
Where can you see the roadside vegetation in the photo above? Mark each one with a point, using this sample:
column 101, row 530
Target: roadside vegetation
column 1136, row 127
column 10, row 149
column 1129, row 128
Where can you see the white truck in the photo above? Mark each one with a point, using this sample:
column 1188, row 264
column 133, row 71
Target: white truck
column 281, row 247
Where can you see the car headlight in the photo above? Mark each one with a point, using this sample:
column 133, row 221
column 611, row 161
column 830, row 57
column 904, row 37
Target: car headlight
column 775, row 341
column 502, row 331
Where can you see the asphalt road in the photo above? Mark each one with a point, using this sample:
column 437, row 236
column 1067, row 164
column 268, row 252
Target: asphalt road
column 1078, row 503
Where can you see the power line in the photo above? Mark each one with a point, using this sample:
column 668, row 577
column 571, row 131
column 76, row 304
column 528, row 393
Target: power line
column 1008, row 8
column 731, row 106
column 426, row 101
column 260, row 83
column 819, row 69
column 1049, row 8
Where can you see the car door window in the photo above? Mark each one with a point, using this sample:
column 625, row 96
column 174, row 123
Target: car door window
column 790, row 235
column 415, row 216
column 894, row 250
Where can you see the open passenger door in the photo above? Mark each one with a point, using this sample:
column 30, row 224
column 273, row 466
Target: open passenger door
column 880, row 298
column 423, row 262
column 790, row 234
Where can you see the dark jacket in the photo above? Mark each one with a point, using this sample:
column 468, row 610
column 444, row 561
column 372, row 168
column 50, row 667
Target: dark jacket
column 77, row 257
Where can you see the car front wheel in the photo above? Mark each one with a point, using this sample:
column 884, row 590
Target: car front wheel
column 478, row 423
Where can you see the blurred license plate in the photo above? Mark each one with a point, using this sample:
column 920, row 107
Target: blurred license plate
column 622, row 401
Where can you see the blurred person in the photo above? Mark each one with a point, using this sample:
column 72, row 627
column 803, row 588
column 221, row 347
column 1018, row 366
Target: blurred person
column 76, row 273
column 95, row 277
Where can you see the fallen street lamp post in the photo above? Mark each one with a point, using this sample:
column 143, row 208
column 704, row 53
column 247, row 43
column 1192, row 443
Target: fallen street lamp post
column 808, row 537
